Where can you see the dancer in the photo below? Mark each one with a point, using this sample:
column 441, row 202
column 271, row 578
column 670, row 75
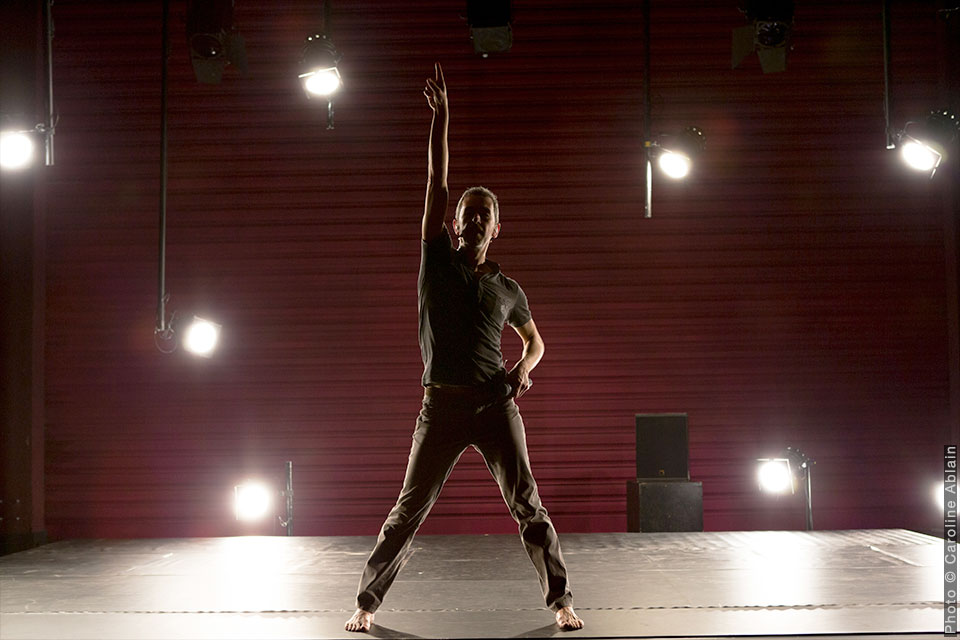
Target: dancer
column 464, row 302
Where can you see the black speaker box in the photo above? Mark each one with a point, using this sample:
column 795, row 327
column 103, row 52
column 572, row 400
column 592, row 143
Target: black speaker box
column 662, row 446
column 664, row 505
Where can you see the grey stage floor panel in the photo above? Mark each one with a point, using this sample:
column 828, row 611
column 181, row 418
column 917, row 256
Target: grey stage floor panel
column 626, row 585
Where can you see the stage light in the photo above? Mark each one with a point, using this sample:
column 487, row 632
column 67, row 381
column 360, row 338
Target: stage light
column 774, row 475
column 785, row 472
column 675, row 153
column 319, row 74
column 674, row 165
column 769, row 31
column 197, row 336
column 16, row 143
column 252, row 501
column 490, row 28
column 919, row 156
column 923, row 146
column 16, row 149
column 201, row 337
column 322, row 82
column 213, row 40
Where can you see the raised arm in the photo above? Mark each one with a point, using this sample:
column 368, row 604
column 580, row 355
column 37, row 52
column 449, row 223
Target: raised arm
column 438, row 156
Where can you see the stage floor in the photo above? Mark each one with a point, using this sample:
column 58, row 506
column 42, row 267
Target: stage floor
column 626, row 585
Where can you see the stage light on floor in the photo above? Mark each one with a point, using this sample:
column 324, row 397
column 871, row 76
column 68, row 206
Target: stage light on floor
column 786, row 472
column 938, row 496
column 16, row 149
column 252, row 501
column 201, row 337
column 774, row 475
column 256, row 500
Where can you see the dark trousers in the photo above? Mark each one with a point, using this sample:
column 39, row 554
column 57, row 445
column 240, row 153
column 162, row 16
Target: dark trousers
column 450, row 421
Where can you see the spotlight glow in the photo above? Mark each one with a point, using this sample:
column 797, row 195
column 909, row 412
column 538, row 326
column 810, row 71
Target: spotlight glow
column 16, row 150
column 938, row 494
column 321, row 82
column 919, row 156
column 252, row 501
column 201, row 337
column 774, row 476
column 675, row 165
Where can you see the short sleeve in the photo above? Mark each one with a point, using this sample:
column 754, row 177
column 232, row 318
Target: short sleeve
column 520, row 314
column 438, row 251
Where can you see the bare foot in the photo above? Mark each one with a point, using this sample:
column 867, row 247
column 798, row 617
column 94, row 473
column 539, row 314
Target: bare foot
column 361, row 621
column 568, row 619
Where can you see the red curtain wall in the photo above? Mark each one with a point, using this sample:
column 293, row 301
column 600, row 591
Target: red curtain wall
column 797, row 290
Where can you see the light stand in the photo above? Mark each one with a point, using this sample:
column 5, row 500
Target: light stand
column 287, row 523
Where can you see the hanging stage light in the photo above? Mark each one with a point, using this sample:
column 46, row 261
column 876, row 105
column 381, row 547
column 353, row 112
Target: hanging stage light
column 675, row 154
column 16, row 149
column 197, row 336
column 923, row 146
column 771, row 24
column 201, row 337
column 17, row 144
column 319, row 75
column 490, row 28
column 674, row 165
column 213, row 40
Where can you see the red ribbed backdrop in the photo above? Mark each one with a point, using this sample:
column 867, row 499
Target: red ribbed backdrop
column 796, row 290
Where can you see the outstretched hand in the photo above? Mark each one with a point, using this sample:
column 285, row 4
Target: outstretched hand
column 436, row 91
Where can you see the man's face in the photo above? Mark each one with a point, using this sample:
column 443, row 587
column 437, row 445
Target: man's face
column 475, row 223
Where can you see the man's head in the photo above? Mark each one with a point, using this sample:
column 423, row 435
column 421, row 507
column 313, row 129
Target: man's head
column 477, row 218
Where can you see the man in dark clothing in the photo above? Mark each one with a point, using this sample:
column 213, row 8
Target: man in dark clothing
column 468, row 399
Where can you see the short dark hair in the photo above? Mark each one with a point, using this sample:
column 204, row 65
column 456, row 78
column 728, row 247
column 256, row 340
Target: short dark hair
column 482, row 191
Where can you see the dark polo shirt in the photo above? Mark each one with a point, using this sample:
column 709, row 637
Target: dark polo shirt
column 462, row 315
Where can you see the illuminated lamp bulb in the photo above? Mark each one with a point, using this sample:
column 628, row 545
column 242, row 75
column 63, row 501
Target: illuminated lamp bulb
column 674, row 165
column 16, row 150
column 319, row 75
column 201, row 337
column 919, row 156
column 774, row 476
column 252, row 501
column 322, row 82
